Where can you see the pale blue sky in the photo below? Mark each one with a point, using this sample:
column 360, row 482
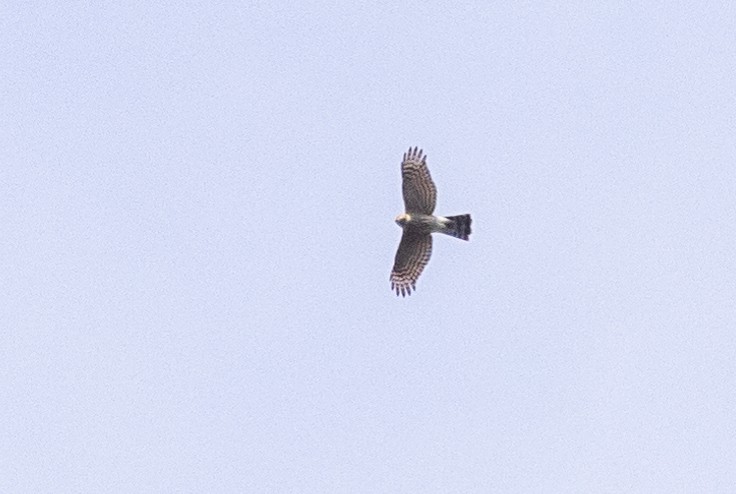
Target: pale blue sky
column 197, row 231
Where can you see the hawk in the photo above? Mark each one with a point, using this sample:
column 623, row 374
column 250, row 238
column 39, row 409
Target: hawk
column 420, row 196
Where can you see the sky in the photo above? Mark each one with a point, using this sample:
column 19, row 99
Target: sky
column 197, row 208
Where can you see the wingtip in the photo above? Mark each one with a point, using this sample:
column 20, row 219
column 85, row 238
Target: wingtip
column 415, row 153
column 402, row 290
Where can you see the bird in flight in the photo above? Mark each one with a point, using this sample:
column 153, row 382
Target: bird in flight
column 415, row 248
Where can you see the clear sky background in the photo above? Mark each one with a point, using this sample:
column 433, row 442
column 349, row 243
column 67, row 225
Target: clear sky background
column 197, row 229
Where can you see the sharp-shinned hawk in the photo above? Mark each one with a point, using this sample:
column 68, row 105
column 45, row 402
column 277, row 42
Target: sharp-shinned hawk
column 415, row 248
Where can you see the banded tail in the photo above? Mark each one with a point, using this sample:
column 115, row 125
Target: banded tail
column 458, row 226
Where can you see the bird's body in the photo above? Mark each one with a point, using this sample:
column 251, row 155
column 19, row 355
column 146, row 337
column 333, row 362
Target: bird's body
column 425, row 224
column 418, row 223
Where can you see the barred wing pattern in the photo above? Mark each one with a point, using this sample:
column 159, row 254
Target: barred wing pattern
column 412, row 256
column 420, row 193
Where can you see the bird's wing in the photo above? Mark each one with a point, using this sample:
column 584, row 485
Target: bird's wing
column 420, row 193
column 411, row 257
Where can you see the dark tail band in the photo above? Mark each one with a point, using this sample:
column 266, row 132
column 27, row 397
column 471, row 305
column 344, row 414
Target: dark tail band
column 459, row 226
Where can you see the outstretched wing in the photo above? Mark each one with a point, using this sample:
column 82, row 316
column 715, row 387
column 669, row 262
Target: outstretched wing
column 411, row 257
column 420, row 194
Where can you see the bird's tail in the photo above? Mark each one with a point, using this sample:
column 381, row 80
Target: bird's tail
column 458, row 226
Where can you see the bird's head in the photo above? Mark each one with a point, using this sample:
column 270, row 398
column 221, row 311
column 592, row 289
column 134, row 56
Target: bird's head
column 402, row 219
